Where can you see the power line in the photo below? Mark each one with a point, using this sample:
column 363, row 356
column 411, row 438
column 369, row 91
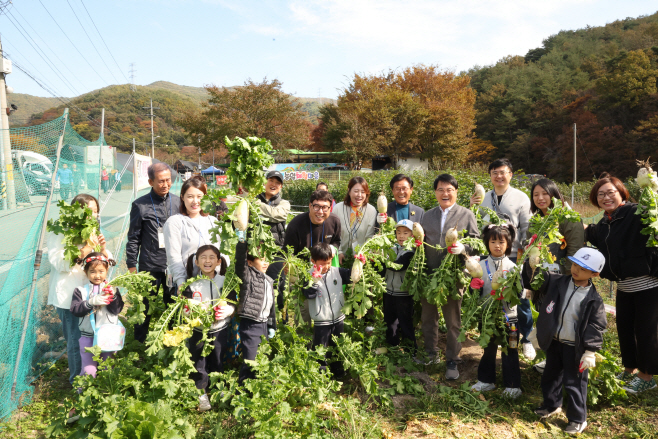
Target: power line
column 103, row 40
column 92, row 43
column 49, row 48
column 41, row 54
column 76, row 48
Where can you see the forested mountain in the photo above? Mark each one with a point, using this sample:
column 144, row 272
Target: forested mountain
column 601, row 78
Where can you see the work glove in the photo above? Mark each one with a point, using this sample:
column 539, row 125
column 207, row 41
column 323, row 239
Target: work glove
column 457, row 248
column 587, row 361
column 99, row 300
column 477, row 283
column 381, row 218
column 222, row 312
column 241, row 235
column 316, row 275
column 532, row 338
column 270, row 333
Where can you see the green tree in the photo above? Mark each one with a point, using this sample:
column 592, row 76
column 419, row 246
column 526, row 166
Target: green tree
column 630, row 79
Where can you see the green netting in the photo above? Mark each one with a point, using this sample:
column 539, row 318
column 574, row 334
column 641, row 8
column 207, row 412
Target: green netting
column 80, row 170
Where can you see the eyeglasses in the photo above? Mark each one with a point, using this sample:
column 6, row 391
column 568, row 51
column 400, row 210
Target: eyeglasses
column 609, row 194
column 446, row 191
column 499, row 173
column 401, row 189
column 317, row 208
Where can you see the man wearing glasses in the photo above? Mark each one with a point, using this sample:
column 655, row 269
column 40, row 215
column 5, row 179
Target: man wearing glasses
column 318, row 225
column 514, row 206
column 436, row 222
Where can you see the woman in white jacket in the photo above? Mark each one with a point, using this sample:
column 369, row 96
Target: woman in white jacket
column 64, row 279
column 357, row 217
column 185, row 232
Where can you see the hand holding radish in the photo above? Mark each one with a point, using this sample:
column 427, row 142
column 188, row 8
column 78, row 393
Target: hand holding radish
column 456, row 248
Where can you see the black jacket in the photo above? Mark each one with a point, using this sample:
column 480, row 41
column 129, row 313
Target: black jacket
column 278, row 229
column 591, row 320
column 253, row 288
column 143, row 231
column 622, row 244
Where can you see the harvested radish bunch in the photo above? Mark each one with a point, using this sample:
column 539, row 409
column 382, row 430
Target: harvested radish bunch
column 647, row 205
column 78, row 226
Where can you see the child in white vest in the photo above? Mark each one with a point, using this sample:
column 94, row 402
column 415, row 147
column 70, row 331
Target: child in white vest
column 499, row 241
column 326, row 300
column 206, row 293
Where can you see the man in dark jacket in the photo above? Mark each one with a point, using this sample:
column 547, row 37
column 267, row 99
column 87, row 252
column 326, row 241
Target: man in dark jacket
column 400, row 209
column 148, row 216
column 570, row 330
column 274, row 211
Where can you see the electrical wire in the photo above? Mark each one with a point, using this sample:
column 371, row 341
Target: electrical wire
column 92, row 43
column 103, row 40
column 73, row 44
column 41, row 54
column 587, row 158
column 49, row 48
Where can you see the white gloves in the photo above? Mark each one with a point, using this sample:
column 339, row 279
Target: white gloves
column 532, row 338
column 334, row 250
column 381, row 218
column 99, row 300
column 457, row 248
column 222, row 312
column 587, row 361
column 270, row 333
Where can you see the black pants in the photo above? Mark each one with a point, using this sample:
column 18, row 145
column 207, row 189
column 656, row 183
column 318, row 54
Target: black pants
column 511, row 369
column 141, row 330
column 637, row 329
column 562, row 370
column 274, row 270
column 213, row 362
column 322, row 335
column 399, row 319
column 250, row 338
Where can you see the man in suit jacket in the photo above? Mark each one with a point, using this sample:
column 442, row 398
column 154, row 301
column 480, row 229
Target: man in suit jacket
column 436, row 223
column 402, row 187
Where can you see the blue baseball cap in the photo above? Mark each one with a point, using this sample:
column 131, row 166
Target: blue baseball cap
column 589, row 258
column 405, row 223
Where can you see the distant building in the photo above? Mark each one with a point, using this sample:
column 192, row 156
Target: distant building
column 183, row 166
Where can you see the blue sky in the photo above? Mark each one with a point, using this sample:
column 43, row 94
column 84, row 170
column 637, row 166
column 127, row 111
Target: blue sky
column 313, row 47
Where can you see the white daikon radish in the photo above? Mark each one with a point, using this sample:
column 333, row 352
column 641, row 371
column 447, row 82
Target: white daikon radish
column 479, row 191
column 534, row 257
column 241, row 214
column 382, row 203
column 418, row 231
column 451, row 236
column 473, row 266
column 357, row 271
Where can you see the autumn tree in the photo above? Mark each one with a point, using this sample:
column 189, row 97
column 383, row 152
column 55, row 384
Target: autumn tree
column 419, row 110
column 255, row 109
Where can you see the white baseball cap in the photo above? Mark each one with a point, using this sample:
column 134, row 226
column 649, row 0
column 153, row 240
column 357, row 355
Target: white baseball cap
column 405, row 223
column 589, row 258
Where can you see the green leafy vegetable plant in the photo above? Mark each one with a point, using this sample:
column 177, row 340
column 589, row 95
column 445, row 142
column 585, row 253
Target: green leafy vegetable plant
column 78, row 227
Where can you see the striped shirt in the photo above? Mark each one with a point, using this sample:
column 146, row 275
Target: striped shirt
column 635, row 284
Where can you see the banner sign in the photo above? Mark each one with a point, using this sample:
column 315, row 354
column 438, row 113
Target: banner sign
column 301, row 175
column 221, row 179
column 143, row 162
column 289, row 167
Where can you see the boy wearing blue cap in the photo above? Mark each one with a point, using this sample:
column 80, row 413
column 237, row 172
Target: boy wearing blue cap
column 398, row 304
column 570, row 330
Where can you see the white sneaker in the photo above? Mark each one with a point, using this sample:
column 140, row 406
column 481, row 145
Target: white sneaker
column 529, row 351
column 204, row 403
column 482, row 387
column 539, row 367
column 512, row 392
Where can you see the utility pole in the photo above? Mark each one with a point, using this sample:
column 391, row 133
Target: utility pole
column 152, row 138
column 135, row 176
column 100, row 153
column 5, row 141
column 132, row 77
column 573, row 188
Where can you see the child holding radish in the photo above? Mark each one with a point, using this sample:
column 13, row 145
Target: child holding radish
column 257, row 305
column 499, row 241
column 95, row 303
column 398, row 304
column 570, row 330
column 326, row 300
column 206, row 292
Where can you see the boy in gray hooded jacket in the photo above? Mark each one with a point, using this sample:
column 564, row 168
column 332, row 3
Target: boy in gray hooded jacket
column 326, row 300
